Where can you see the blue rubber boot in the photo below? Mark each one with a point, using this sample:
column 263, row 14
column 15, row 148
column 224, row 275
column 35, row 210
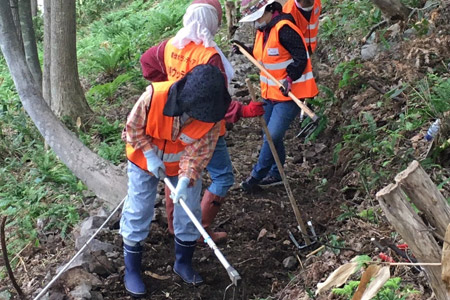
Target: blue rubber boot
column 133, row 280
column 183, row 262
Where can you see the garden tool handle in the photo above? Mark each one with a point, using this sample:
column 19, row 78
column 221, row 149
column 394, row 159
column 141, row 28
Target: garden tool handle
column 232, row 273
column 294, row 203
column 251, row 90
column 300, row 103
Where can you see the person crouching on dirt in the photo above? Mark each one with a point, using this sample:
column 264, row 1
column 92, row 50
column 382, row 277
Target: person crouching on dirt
column 306, row 14
column 171, row 60
column 173, row 129
column 281, row 48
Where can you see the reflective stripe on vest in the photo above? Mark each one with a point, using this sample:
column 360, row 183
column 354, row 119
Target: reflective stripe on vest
column 309, row 28
column 168, row 157
column 303, row 87
column 313, row 26
column 310, row 40
column 302, row 78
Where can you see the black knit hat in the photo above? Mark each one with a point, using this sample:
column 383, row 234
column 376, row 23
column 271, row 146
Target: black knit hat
column 201, row 94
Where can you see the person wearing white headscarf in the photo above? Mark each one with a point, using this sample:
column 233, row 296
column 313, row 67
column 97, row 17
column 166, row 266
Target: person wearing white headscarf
column 170, row 60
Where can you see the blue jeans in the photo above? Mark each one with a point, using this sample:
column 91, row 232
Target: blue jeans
column 278, row 115
column 137, row 212
column 220, row 169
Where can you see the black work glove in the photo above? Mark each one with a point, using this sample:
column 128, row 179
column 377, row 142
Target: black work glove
column 287, row 86
column 235, row 49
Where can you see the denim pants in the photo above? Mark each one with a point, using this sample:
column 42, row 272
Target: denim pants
column 278, row 115
column 220, row 169
column 137, row 212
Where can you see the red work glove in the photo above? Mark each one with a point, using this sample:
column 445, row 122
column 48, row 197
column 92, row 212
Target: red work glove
column 287, row 86
column 253, row 109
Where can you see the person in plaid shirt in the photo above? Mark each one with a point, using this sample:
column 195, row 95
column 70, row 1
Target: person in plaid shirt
column 172, row 130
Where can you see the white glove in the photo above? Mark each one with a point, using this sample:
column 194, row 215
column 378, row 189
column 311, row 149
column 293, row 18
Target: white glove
column 180, row 190
column 154, row 163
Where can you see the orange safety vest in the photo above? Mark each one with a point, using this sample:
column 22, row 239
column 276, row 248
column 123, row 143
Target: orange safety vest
column 180, row 61
column 310, row 29
column 275, row 58
column 160, row 127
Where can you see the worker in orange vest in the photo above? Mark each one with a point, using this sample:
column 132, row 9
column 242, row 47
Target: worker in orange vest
column 306, row 15
column 280, row 47
column 172, row 129
column 171, row 60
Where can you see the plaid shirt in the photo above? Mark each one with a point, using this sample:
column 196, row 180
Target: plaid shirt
column 196, row 155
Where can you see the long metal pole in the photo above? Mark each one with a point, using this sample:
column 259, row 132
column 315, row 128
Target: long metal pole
column 293, row 201
column 234, row 275
column 79, row 252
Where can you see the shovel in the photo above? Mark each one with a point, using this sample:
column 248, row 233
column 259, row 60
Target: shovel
column 294, row 204
column 236, row 281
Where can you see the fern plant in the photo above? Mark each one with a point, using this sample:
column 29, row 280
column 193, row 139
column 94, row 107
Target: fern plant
column 105, row 92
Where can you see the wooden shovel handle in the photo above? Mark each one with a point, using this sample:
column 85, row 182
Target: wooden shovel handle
column 300, row 103
column 294, row 203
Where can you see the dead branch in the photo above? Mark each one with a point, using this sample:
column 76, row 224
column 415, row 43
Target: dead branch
column 6, row 260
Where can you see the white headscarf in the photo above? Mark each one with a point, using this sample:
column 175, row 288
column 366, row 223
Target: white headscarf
column 200, row 24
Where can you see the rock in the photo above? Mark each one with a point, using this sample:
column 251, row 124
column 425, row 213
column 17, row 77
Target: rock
column 290, row 263
column 77, row 276
column 394, row 30
column 369, row 51
column 410, row 33
column 90, row 223
column 81, row 261
column 56, row 296
column 101, row 265
column 96, row 295
column 5, row 295
column 94, row 245
column 82, row 291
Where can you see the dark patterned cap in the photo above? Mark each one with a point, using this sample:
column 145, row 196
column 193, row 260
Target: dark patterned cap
column 201, row 94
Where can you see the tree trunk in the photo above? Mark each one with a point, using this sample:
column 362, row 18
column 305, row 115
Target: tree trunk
column 67, row 95
column 29, row 41
column 426, row 197
column 46, row 86
column 415, row 233
column 34, row 8
column 14, row 4
column 107, row 181
column 393, row 8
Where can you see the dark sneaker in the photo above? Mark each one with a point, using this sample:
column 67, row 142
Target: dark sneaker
column 270, row 181
column 250, row 185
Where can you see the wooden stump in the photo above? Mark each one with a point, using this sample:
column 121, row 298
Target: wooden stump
column 446, row 260
column 419, row 187
column 415, row 233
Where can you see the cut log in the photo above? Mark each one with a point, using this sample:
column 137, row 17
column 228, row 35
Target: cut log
column 421, row 190
column 446, row 260
column 415, row 233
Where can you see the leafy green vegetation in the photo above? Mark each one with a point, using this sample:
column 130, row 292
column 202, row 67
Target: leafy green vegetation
column 391, row 290
column 35, row 184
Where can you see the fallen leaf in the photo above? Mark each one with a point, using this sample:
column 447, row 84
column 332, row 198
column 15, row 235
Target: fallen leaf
column 78, row 122
column 338, row 277
column 377, row 283
column 156, row 276
column 261, row 234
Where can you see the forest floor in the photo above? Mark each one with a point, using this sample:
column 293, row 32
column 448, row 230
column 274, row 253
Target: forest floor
column 326, row 185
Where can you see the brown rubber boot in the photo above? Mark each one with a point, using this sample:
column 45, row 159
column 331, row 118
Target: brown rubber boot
column 210, row 207
column 169, row 209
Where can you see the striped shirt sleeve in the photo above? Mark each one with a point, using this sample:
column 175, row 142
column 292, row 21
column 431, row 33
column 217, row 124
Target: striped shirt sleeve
column 137, row 121
column 198, row 154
